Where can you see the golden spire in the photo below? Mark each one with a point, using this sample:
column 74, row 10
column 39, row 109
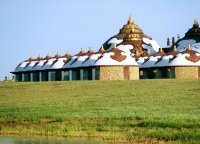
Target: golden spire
column 196, row 22
column 130, row 20
column 90, row 50
column 114, row 46
column 57, row 55
column 189, row 47
column 175, row 49
column 48, row 55
column 31, row 58
column 39, row 57
column 67, row 53
column 102, row 49
column 160, row 49
column 82, row 50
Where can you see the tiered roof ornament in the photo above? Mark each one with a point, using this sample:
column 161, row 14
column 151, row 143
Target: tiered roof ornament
column 127, row 28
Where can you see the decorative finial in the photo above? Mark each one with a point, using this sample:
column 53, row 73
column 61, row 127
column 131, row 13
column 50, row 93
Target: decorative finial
column 90, row 49
column 160, row 49
column 57, row 55
column 82, row 50
column 196, row 22
column 48, row 55
column 67, row 53
column 148, row 53
column 189, row 47
column 114, row 46
column 175, row 49
column 31, row 58
column 130, row 20
column 102, row 49
column 39, row 57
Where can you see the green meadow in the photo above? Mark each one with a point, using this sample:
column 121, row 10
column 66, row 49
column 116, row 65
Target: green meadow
column 152, row 111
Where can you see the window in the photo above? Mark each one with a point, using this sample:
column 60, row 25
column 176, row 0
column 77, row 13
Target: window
column 75, row 75
column 66, row 75
column 53, row 76
column 87, row 74
column 18, row 77
column 26, row 77
column 35, row 76
column 97, row 73
column 44, row 76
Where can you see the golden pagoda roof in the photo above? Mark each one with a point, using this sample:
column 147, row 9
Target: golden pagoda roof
column 133, row 36
column 127, row 28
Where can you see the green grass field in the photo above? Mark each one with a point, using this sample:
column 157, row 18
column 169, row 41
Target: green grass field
column 143, row 110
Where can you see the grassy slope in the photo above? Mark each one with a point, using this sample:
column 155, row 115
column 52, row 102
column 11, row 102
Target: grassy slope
column 162, row 109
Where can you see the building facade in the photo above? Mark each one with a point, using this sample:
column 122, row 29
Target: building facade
column 129, row 55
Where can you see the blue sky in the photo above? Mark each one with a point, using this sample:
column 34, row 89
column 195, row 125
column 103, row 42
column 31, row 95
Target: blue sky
column 33, row 27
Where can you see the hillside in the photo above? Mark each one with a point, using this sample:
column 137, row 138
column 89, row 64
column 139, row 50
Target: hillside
column 150, row 110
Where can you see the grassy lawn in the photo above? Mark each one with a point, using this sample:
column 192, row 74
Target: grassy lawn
column 150, row 110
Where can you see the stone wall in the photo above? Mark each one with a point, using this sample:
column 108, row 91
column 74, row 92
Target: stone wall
column 111, row 73
column 186, row 72
column 133, row 73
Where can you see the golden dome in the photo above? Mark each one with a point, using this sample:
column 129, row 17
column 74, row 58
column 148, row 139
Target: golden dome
column 130, row 26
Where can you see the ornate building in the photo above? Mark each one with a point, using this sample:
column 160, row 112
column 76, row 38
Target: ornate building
column 129, row 55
